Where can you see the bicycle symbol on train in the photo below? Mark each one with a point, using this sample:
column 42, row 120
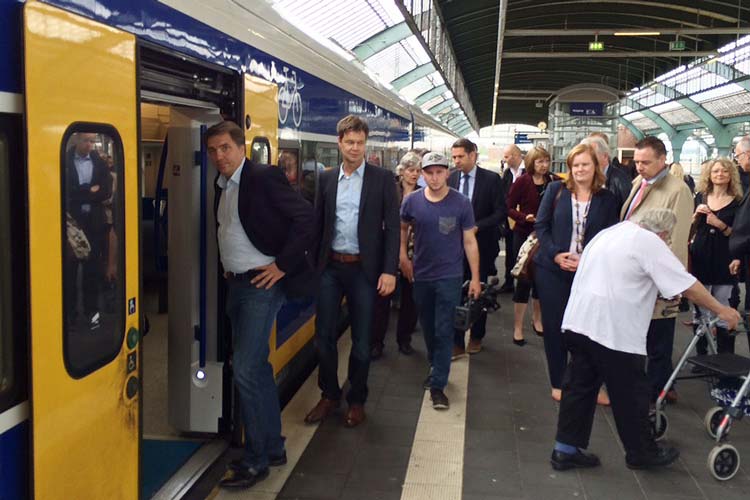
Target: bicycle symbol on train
column 289, row 98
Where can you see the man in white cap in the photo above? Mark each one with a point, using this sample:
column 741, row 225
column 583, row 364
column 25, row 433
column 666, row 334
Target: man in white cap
column 444, row 231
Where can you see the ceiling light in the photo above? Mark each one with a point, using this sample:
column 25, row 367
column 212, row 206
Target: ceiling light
column 637, row 33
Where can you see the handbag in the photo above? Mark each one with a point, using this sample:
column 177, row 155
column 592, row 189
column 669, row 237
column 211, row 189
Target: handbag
column 78, row 243
column 524, row 267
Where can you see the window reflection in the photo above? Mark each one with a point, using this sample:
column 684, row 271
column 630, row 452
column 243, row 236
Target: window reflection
column 93, row 249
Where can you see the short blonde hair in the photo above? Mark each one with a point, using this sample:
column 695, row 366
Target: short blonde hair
column 705, row 185
column 677, row 170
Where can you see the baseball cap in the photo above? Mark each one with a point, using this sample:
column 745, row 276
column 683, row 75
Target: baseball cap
column 434, row 159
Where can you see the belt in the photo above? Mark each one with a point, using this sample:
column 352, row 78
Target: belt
column 246, row 276
column 345, row 258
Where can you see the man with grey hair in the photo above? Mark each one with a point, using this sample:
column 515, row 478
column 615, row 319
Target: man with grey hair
column 739, row 241
column 617, row 180
column 605, row 325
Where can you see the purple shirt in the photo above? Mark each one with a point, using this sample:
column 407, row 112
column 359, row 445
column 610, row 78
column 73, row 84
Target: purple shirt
column 438, row 233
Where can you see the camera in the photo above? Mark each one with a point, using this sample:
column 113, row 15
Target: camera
column 470, row 309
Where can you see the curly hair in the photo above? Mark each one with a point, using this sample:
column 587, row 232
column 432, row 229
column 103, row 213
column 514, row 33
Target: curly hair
column 705, row 185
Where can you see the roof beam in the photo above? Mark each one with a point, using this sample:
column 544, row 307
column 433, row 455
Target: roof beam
column 412, row 76
column 627, row 32
column 728, row 72
column 502, row 14
column 713, row 124
column 382, row 40
column 617, row 55
column 633, row 129
column 651, row 115
column 441, row 106
column 433, row 92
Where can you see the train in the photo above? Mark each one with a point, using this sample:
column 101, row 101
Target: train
column 115, row 376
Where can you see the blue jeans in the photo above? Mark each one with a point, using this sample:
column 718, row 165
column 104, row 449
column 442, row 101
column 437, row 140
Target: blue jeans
column 252, row 312
column 344, row 280
column 436, row 302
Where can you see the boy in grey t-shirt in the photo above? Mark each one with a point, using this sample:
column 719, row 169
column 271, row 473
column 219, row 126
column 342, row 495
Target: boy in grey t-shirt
column 444, row 230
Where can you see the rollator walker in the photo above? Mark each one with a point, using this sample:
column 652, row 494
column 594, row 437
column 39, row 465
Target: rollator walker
column 728, row 376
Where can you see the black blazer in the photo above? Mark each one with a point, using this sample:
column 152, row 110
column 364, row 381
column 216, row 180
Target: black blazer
column 488, row 201
column 739, row 240
column 276, row 218
column 77, row 195
column 554, row 221
column 619, row 182
column 378, row 228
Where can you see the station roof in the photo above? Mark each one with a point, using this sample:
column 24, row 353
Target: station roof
column 545, row 46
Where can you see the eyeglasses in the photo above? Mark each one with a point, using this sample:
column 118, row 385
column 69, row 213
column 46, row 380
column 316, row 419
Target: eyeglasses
column 736, row 156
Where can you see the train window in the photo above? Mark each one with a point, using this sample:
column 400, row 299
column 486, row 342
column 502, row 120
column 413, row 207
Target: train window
column 93, row 247
column 327, row 154
column 260, row 150
column 289, row 164
column 6, row 298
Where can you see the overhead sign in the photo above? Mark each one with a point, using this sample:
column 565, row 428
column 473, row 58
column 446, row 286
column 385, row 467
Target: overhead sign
column 586, row 108
column 677, row 45
column 596, row 46
column 521, row 139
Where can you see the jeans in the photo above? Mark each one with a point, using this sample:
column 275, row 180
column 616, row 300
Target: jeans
column 252, row 312
column 436, row 304
column 344, row 280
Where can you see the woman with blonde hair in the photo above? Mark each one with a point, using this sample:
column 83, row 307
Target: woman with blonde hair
column 717, row 200
column 679, row 172
column 570, row 215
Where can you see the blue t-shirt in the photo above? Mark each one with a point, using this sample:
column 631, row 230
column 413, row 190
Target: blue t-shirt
column 438, row 233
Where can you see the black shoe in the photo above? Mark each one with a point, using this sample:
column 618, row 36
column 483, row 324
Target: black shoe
column 519, row 343
column 272, row 462
column 439, row 399
column 406, row 349
column 579, row 459
column 658, row 457
column 376, row 352
column 244, row 478
column 507, row 287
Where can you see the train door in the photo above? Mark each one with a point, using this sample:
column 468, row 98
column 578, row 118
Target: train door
column 261, row 120
column 81, row 111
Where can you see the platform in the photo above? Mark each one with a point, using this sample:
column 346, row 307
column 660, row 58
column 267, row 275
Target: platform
column 494, row 442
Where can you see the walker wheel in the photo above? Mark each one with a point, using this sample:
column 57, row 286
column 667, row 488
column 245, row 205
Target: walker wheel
column 713, row 420
column 659, row 425
column 724, row 462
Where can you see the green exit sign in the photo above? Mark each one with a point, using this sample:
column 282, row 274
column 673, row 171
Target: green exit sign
column 596, row 46
column 677, row 45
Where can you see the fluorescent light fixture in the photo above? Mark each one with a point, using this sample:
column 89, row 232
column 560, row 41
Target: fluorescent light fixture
column 637, row 33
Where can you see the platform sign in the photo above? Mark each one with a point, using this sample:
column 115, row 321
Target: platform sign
column 521, row 139
column 586, row 108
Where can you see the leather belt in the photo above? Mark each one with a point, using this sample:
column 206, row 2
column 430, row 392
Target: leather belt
column 246, row 276
column 345, row 258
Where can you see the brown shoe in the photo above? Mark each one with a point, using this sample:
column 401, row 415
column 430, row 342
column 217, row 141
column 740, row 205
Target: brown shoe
column 475, row 345
column 322, row 410
column 355, row 415
column 457, row 352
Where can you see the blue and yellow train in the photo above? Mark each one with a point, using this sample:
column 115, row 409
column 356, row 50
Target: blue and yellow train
column 90, row 406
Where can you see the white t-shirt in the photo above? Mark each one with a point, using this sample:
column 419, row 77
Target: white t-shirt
column 614, row 291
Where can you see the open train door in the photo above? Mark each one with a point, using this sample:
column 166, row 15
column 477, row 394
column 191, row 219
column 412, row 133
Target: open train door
column 80, row 89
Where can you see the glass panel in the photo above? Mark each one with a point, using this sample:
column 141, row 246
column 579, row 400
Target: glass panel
column 327, row 154
column 6, row 303
column 289, row 164
column 260, row 151
column 93, row 247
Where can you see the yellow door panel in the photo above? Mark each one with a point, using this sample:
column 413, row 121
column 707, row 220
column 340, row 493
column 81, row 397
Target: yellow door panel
column 262, row 114
column 80, row 90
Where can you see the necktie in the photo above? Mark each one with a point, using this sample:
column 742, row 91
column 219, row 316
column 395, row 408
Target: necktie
column 465, row 189
column 638, row 198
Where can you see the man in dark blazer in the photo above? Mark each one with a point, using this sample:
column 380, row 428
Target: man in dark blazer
column 512, row 170
column 264, row 230
column 358, row 226
column 484, row 189
column 618, row 181
column 88, row 186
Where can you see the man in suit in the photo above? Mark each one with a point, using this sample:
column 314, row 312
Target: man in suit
column 514, row 168
column 357, row 223
column 618, row 181
column 485, row 190
column 88, row 186
column 655, row 188
column 264, row 229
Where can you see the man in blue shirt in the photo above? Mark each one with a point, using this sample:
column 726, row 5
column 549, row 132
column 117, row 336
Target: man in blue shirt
column 444, row 230
column 357, row 222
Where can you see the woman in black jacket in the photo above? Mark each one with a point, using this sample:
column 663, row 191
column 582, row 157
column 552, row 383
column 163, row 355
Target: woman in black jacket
column 571, row 214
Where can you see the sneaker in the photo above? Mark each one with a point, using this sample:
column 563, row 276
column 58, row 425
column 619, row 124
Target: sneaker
column 658, row 457
column 439, row 399
column 457, row 352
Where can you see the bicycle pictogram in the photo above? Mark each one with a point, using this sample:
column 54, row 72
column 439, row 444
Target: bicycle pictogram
column 289, row 98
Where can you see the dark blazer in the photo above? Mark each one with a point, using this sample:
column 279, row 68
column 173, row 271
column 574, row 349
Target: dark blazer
column 524, row 195
column 378, row 228
column 488, row 201
column 77, row 195
column 739, row 240
column 619, row 182
column 554, row 221
column 276, row 218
